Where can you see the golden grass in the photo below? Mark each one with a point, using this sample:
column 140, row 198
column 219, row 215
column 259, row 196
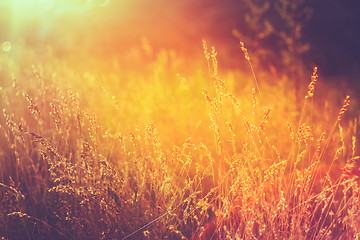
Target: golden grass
column 169, row 156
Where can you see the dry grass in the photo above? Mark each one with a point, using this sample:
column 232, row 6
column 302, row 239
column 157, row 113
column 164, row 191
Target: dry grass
column 170, row 156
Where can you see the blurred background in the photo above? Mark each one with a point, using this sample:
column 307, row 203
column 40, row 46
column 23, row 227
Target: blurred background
column 283, row 37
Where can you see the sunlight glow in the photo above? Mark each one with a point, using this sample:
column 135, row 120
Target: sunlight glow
column 40, row 17
column 25, row 9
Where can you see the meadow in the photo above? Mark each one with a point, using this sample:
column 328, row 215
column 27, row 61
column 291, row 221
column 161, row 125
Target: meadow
column 171, row 148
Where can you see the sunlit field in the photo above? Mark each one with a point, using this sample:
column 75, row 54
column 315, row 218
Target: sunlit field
column 153, row 142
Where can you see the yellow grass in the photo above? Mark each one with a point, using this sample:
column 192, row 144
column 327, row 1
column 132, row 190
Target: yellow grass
column 170, row 150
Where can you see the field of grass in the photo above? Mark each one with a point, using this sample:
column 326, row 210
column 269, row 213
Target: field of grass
column 170, row 148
